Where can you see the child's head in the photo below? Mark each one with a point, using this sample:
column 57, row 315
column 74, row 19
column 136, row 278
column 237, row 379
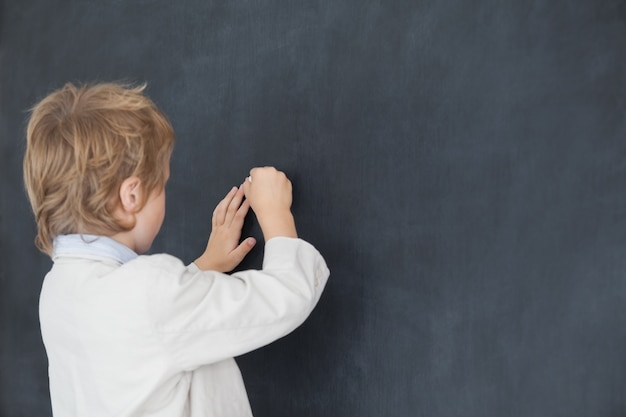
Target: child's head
column 81, row 144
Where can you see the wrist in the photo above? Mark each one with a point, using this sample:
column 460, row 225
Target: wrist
column 203, row 264
column 278, row 225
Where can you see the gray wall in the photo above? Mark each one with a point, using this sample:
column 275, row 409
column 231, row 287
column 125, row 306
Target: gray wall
column 460, row 164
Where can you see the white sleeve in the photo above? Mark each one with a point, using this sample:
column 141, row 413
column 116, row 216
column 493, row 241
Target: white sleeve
column 202, row 317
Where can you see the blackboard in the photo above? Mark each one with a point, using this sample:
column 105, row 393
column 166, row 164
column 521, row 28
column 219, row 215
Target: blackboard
column 460, row 164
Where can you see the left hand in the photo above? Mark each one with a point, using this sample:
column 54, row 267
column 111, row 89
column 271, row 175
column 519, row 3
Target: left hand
column 224, row 252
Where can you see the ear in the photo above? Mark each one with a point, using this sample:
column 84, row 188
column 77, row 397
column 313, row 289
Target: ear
column 131, row 195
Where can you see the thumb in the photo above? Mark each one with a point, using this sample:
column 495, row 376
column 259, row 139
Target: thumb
column 243, row 249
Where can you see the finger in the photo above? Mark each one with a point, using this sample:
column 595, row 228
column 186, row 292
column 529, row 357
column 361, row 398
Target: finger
column 246, row 187
column 233, row 206
column 242, row 250
column 219, row 214
column 257, row 171
column 240, row 216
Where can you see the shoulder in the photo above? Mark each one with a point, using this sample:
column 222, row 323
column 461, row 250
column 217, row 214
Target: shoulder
column 154, row 265
column 159, row 280
column 159, row 260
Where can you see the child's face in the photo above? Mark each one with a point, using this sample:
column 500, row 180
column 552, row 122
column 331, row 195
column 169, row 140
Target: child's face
column 150, row 219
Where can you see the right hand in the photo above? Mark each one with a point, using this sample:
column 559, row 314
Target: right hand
column 268, row 191
column 224, row 251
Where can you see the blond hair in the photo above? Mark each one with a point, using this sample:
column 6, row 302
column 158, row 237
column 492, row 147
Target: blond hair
column 81, row 144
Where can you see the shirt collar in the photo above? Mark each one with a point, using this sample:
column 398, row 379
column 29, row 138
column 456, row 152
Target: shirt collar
column 91, row 246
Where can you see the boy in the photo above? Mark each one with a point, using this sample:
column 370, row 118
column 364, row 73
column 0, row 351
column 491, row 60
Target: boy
column 131, row 335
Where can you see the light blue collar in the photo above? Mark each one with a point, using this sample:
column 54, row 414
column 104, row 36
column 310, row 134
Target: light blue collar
column 91, row 246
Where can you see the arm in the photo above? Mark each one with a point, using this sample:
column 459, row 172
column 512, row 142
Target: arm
column 205, row 316
column 270, row 199
column 202, row 317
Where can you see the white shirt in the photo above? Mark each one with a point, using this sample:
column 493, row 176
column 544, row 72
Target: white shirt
column 130, row 335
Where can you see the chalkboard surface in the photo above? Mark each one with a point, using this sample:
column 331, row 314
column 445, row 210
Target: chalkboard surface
column 460, row 164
